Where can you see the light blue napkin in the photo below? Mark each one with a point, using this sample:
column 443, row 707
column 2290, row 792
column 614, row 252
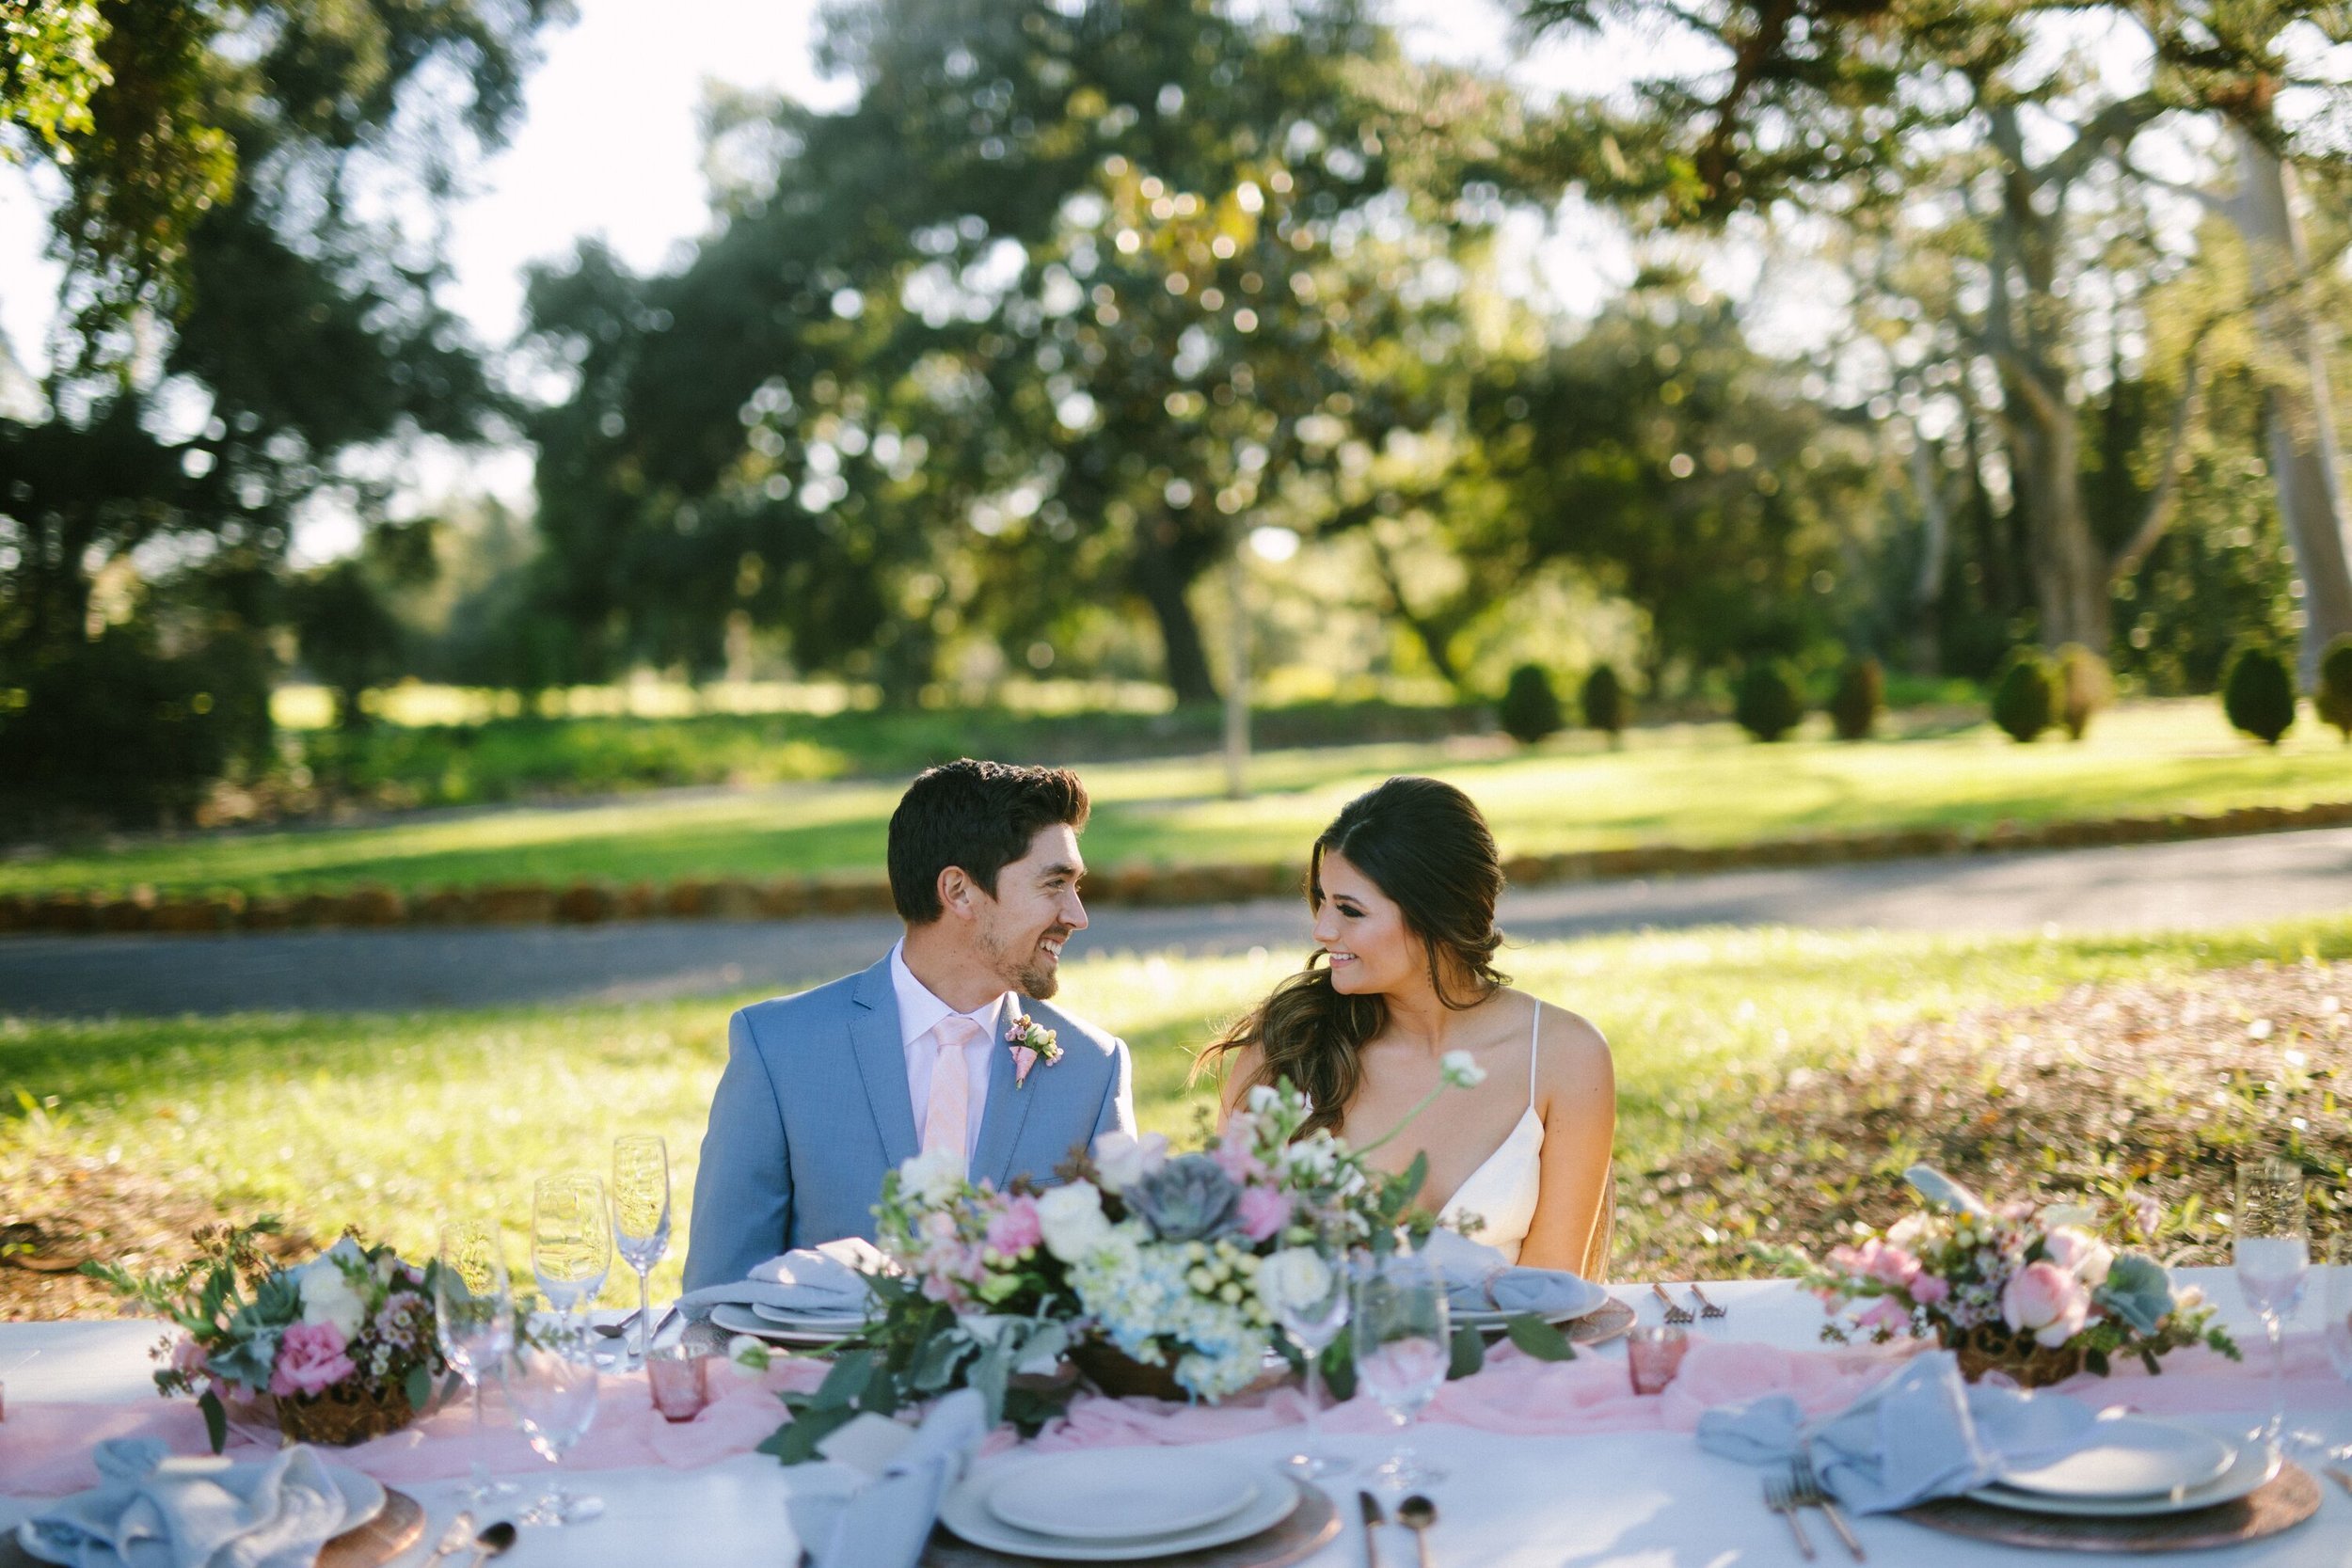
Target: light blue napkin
column 826, row 1279
column 1921, row 1432
column 151, row 1510
column 1479, row 1280
column 878, row 1506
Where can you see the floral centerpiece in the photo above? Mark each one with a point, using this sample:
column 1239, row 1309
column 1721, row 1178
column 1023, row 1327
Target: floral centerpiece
column 337, row 1350
column 2038, row 1296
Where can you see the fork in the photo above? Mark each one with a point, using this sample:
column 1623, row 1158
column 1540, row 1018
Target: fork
column 1677, row 1313
column 1805, row 1482
column 1707, row 1309
column 1781, row 1498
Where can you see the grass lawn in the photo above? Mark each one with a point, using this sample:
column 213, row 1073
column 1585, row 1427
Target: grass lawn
column 115, row 1135
column 1688, row 784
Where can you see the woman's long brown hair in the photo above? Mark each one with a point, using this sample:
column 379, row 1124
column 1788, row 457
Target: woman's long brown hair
column 1425, row 846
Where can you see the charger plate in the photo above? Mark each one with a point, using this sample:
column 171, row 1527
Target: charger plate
column 1313, row 1525
column 2281, row 1503
column 392, row 1531
column 1610, row 1321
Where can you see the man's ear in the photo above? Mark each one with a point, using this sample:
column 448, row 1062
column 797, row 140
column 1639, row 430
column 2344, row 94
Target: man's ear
column 959, row 894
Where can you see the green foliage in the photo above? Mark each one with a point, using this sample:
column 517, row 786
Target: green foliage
column 2334, row 697
column 1606, row 707
column 1530, row 708
column 1861, row 696
column 2085, row 686
column 2259, row 695
column 1769, row 702
column 2024, row 697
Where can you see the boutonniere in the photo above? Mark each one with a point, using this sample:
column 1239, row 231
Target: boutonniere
column 1031, row 1042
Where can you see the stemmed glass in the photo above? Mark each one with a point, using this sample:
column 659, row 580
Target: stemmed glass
column 1312, row 1312
column 571, row 1241
column 2272, row 1251
column 641, row 1218
column 473, row 1319
column 1404, row 1344
column 552, row 1386
column 2337, row 1328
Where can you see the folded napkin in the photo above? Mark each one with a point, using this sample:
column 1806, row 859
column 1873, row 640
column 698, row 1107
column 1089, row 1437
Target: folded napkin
column 151, row 1510
column 874, row 1506
column 825, row 1279
column 1920, row 1432
column 1480, row 1279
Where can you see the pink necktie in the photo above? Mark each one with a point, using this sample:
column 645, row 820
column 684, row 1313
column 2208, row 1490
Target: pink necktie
column 949, row 1114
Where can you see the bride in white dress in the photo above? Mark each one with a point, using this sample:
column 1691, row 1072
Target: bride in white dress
column 1403, row 885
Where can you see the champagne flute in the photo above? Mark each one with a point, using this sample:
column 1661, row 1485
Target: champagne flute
column 571, row 1241
column 552, row 1386
column 1313, row 1310
column 641, row 1218
column 473, row 1319
column 1404, row 1345
column 2271, row 1249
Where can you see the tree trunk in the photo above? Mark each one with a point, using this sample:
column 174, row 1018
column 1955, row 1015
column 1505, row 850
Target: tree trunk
column 1935, row 542
column 2306, row 458
column 2070, row 574
column 1162, row 584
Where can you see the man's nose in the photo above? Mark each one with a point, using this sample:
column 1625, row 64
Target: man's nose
column 1075, row 917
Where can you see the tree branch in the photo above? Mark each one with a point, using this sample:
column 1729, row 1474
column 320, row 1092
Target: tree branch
column 2164, row 502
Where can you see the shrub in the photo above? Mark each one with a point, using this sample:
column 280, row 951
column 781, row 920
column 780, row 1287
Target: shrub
column 1607, row 707
column 2334, row 698
column 2084, row 687
column 1854, row 712
column 1769, row 702
column 1530, row 708
column 2025, row 699
column 2259, row 695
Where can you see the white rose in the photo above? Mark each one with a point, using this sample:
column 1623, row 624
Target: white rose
column 1121, row 1159
column 1264, row 1097
column 1296, row 1278
column 935, row 1177
column 1070, row 1218
column 2080, row 1253
column 1460, row 1070
column 328, row 1298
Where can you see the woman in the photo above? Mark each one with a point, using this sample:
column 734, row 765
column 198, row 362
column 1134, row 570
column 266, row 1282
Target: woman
column 1403, row 885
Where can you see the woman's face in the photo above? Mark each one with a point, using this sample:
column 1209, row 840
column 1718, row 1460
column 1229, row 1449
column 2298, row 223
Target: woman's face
column 1363, row 932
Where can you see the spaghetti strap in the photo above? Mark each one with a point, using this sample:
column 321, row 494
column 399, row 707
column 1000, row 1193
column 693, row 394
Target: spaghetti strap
column 1534, row 1043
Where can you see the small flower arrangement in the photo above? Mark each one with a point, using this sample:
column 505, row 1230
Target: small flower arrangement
column 2038, row 1296
column 1031, row 1042
column 342, row 1346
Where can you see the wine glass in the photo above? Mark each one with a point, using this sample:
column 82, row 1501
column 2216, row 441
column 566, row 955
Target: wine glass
column 571, row 1241
column 641, row 1218
column 2337, row 1326
column 2272, row 1252
column 1312, row 1311
column 1403, row 1347
column 552, row 1386
column 473, row 1319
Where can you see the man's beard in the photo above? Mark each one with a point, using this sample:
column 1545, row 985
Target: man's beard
column 1039, row 982
column 1033, row 975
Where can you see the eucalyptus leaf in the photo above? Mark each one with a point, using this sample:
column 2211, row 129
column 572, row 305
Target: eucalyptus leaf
column 1538, row 1339
column 215, row 1419
column 418, row 1385
column 1468, row 1354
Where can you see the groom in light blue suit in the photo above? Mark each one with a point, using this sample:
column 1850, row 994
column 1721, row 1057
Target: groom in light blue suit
column 825, row 1091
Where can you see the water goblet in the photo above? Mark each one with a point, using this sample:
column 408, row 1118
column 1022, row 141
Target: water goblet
column 1404, row 1344
column 1313, row 1308
column 473, row 1321
column 641, row 1218
column 2271, row 1249
column 571, row 1241
column 552, row 1386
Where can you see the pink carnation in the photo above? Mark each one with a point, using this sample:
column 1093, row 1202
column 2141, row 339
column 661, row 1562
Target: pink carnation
column 1263, row 1211
column 1013, row 1229
column 309, row 1358
column 2045, row 1301
column 1927, row 1289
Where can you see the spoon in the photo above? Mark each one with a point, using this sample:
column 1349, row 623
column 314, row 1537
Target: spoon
column 453, row 1539
column 1417, row 1514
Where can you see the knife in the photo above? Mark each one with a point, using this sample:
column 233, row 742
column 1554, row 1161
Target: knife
column 1373, row 1518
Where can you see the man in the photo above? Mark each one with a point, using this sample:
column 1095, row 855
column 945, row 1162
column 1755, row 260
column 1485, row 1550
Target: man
column 825, row 1091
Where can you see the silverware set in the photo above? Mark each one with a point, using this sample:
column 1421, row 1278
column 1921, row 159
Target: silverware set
column 1801, row 1488
column 1680, row 1315
column 1416, row 1513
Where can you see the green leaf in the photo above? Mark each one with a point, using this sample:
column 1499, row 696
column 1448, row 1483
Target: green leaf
column 1339, row 1368
column 1470, row 1353
column 850, row 1373
column 795, row 1442
column 418, row 1384
column 1538, row 1339
column 1409, row 1184
column 215, row 1419
column 989, row 1376
column 935, row 1363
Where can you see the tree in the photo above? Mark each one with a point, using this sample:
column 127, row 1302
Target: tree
column 1530, row 706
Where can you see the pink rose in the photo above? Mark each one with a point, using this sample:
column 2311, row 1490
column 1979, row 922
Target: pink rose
column 1013, row 1229
column 1263, row 1211
column 309, row 1358
column 1875, row 1259
column 1927, row 1290
column 2045, row 1301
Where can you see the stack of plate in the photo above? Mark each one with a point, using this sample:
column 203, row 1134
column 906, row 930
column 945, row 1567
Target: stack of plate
column 2137, row 1467
column 785, row 1327
column 1118, row 1505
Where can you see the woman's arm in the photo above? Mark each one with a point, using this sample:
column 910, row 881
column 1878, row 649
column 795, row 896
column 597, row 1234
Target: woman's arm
column 1577, row 1098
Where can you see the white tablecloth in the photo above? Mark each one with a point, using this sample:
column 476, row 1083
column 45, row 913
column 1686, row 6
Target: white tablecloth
column 1627, row 1501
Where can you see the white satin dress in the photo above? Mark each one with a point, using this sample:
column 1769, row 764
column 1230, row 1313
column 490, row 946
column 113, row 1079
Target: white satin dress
column 1502, row 1192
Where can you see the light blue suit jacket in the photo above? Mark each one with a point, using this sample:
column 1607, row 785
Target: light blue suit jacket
column 813, row 1108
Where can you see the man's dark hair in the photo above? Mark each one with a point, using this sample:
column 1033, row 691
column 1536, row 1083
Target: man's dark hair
column 980, row 816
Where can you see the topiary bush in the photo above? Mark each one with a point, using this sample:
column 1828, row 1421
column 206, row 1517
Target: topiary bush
column 1769, row 702
column 2334, row 697
column 2084, row 687
column 2259, row 695
column 1854, row 712
column 2025, row 699
column 1607, row 709
column 1530, row 708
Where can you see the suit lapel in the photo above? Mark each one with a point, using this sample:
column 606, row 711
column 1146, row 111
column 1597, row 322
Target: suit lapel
column 882, row 1062
column 1008, row 1106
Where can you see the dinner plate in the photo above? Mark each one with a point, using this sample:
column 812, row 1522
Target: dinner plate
column 847, row 1322
column 2254, row 1463
column 1489, row 1318
column 965, row 1512
column 363, row 1499
column 2129, row 1457
column 1122, row 1493
column 738, row 1318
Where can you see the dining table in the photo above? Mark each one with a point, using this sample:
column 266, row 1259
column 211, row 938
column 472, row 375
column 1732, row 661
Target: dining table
column 1507, row 1499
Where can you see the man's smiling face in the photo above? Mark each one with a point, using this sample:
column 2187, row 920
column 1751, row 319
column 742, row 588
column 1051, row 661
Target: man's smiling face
column 1034, row 910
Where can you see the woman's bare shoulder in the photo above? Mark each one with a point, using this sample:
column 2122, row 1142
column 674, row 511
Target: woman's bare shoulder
column 1572, row 1053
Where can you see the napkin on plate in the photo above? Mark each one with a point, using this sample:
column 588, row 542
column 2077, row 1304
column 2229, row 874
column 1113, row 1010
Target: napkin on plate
column 1479, row 1280
column 151, row 1510
column 828, row 1280
column 1920, row 1432
column 874, row 1506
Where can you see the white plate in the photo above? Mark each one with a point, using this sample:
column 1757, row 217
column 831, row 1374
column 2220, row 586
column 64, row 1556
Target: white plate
column 965, row 1512
column 811, row 1320
column 737, row 1319
column 1121, row 1493
column 2129, row 1457
column 2255, row 1464
column 363, row 1499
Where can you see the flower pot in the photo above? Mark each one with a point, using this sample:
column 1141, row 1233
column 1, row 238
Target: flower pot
column 342, row 1416
column 1994, row 1349
column 1120, row 1375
